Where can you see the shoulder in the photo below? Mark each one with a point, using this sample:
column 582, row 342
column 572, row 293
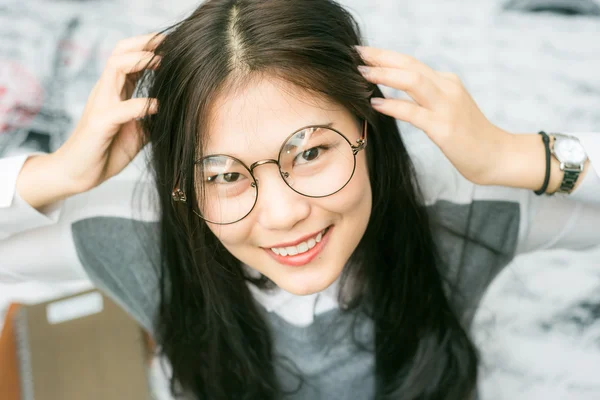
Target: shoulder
column 486, row 219
column 475, row 227
column 115, row 232
column 121, row 256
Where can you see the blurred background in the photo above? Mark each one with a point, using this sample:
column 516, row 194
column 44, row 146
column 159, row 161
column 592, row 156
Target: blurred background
column 529, row 64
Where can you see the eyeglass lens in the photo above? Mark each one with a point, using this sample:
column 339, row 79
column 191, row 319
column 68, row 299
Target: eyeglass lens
column 314, row 162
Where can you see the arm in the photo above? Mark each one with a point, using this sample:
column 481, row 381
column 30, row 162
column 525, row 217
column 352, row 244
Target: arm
column 544, row 222
column 42, row 195
column 41, row 182
column 489, row 163
column 15, row 213
column 442, row 108
column 559, row 221
column 33, row 243
column 38, row 245
column 523, row 166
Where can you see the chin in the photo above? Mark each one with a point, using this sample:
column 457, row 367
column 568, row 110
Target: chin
column 306, row 283
column 302, row 291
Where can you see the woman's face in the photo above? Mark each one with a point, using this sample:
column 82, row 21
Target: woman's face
column 251, row 125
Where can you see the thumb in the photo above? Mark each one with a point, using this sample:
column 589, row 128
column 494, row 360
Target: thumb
column 125, row 147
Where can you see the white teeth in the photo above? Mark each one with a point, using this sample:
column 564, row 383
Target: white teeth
column 300, row 248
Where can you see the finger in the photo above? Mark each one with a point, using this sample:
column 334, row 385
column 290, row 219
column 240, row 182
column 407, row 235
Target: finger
column 133, row 62
column 391, row 59
column 118, row 68
column 422, row 89
column 129, row 86
column 138, row 43
column 134, row 108
column 405, row 110
column 451, row 76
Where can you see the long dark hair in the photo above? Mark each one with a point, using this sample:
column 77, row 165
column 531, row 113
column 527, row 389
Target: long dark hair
column 208, row 325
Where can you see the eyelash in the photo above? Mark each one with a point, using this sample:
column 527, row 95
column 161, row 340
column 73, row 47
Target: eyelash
column 321, row 147
column 211, row 178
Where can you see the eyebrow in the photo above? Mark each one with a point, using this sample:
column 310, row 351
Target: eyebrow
column 325, row 125
column 303, row 140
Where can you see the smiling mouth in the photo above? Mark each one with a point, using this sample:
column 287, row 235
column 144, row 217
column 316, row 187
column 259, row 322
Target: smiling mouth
column 302, row 253
column 301, row 247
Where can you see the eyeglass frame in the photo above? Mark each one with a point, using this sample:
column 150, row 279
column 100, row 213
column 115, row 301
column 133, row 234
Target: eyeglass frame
column 179, row 195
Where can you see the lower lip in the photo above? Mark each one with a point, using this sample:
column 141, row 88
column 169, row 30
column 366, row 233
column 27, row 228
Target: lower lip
column 304, row 258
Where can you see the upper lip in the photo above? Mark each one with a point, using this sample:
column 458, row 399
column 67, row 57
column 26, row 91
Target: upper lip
column 297, row 241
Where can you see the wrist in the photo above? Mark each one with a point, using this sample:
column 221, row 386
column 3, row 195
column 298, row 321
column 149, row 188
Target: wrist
column 522, row 164
column 42, row 181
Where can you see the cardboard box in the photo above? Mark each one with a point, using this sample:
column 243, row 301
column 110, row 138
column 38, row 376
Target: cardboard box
column 77, row 347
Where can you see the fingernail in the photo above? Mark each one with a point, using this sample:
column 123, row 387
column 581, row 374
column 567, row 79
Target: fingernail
column 364, row 70
column 376, row 101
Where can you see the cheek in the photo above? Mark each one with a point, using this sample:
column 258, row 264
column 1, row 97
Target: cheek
column 355, row 198
column 234, row 234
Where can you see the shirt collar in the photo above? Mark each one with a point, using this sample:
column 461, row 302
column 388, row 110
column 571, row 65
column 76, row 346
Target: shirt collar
column 298, row 310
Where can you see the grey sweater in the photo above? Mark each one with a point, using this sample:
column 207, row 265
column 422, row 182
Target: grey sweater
column 332, row 366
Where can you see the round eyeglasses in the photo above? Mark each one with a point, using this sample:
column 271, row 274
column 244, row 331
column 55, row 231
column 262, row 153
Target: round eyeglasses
column 316, row 161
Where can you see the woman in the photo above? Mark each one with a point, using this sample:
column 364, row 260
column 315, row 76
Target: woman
column 299, row 249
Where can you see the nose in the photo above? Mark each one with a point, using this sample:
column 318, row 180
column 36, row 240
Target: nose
column 278, row 207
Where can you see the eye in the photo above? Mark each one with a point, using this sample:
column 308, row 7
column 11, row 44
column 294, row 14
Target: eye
column 309, row 155
column 230, row 177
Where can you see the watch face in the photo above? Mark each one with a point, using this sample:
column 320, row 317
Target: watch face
column 569, row 150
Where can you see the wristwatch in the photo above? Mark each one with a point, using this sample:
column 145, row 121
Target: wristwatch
column 570, row 153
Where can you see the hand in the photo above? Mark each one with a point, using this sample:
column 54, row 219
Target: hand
column 107, row 137
column 442, row 108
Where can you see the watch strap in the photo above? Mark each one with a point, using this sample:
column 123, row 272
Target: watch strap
column 570, row 172
column 569, row 179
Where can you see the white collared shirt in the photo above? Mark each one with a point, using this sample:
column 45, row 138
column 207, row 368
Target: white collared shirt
column 297, row 310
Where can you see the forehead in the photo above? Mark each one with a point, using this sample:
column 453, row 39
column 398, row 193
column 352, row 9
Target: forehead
column 253, row 122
